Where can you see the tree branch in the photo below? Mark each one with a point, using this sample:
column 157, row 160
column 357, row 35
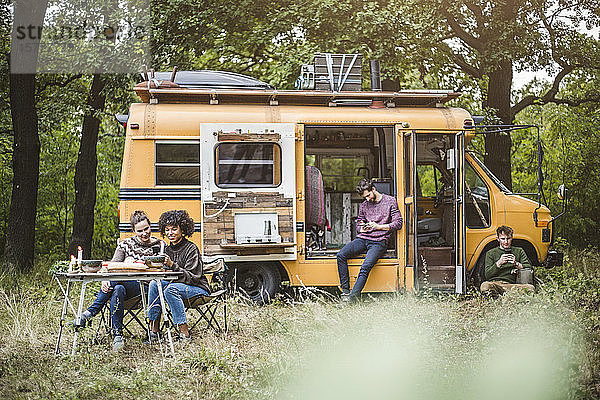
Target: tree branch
column 477, row 13
column 553, row 51
column 577, row 102
column 462, row 63
column 548, row 97
column 463, row 35
column 59, row 84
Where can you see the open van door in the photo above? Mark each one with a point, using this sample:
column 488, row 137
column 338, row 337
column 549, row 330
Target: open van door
column 248, row 191
column 459, row 215
column 427, row 262
column 409, row 152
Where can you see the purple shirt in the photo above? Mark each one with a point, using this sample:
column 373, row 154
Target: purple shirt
column 385, row 211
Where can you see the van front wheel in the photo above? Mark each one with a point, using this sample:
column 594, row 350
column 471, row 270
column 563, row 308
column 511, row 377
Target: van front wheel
column 260, row 282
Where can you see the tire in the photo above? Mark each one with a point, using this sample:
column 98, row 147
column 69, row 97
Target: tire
column 260, row 282
column 479, row 273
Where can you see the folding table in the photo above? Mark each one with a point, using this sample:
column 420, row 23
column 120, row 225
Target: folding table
column 86, row 278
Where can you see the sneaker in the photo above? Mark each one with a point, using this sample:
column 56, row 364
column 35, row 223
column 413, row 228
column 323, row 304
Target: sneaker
column 184, row 340
column 85, row 319
column 153, row 338
column 348, row 298
column 118, row 343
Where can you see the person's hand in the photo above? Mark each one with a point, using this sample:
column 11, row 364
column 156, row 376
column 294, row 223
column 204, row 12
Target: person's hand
column 105, row 286
column 168, row 261
column 505, row 258
column 370, row 226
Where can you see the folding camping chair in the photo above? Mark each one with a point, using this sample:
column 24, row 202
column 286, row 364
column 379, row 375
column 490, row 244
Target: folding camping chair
column 208, row 307
column 133, row 312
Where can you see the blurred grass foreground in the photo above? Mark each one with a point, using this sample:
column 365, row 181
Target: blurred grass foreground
column 307, row 347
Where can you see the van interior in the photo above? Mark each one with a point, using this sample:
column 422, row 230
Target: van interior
column 337, row 157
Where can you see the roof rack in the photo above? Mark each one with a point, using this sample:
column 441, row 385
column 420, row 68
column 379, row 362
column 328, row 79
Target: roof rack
column 426, row 98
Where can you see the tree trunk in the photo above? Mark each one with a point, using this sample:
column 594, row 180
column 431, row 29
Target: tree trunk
column 85, row 171
column 20, row 232
column 497, row 145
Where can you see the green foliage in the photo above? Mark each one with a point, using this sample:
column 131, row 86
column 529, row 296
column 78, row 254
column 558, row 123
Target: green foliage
column 426, row 175
column 59, row 266
column 56, row 194
column 571, row 137
column 6, row 135
column 106, row 221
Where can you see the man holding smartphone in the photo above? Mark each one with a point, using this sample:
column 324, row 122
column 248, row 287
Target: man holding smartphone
column 378, row 217
column 501, row 263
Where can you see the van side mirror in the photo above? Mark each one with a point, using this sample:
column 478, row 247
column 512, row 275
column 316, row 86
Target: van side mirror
column 561, row 192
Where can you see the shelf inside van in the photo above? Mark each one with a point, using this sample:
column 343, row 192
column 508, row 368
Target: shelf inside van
column 254, row 245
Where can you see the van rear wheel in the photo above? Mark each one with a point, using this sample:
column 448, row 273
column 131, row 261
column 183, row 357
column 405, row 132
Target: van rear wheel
column 259, row 281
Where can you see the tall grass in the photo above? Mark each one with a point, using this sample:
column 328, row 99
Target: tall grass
column 391, row 346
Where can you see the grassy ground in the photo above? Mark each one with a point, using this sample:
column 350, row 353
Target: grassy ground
column 390, row 346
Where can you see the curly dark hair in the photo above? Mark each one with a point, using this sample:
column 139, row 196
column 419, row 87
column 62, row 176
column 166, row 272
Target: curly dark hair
column 364, row 184
column 178, row 218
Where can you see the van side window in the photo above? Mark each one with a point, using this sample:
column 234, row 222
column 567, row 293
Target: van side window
column 177, row 163
column 477, row 206
column 247, row 164
column 340, row 173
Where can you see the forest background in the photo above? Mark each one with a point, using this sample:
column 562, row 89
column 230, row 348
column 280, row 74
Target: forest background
column 470, row 46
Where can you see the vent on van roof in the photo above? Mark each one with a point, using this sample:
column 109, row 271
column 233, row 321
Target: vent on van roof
column 213, row 80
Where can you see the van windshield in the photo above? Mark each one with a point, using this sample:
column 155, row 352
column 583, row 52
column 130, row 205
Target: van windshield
column 493, row 178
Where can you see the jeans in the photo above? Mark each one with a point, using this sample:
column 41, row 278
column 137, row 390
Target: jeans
column 174, row 295
column 120, row 292
column 374, row 249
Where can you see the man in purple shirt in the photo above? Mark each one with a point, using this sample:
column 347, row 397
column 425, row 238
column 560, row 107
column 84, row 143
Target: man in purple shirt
column 378, row 217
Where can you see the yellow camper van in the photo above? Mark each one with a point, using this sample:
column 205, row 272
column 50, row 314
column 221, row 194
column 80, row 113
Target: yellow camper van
column 269, row 178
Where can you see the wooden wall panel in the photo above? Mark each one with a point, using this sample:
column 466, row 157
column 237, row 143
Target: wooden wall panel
column 219, row 232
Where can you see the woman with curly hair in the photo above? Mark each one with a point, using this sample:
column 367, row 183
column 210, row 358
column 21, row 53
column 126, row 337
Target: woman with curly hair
column 181, row 255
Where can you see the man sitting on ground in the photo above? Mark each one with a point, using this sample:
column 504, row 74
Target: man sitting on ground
column 501, row 262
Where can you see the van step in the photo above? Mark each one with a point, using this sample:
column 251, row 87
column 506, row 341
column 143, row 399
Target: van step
column 441, row 268
column 438, row 274
column 440, row 286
